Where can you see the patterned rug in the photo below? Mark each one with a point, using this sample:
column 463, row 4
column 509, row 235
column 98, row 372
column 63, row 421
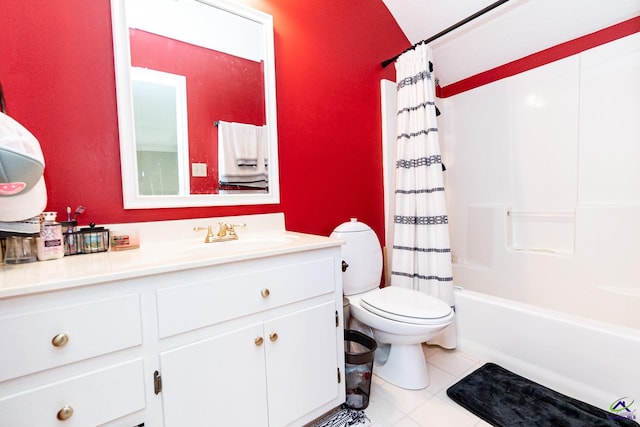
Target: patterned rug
column 344, row 417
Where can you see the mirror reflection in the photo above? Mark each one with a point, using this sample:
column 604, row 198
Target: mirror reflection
column 196, row 102
column 159, row 108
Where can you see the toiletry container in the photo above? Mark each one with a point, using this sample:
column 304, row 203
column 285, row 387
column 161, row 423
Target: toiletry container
column 124, row 238
column 50, row 243
column 70, row 237
column 20, row 250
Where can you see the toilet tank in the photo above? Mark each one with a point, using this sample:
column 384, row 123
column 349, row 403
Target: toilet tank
column 362, row 254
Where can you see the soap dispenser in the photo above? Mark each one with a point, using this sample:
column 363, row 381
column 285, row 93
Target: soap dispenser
column 50, row 243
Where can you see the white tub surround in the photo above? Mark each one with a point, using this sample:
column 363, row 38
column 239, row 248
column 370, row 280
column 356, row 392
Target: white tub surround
column 542, row 184
column 178, row 331
column 596, row 281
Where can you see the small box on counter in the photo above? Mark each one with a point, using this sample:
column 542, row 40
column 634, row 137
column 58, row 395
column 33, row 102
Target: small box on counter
column 124, row 239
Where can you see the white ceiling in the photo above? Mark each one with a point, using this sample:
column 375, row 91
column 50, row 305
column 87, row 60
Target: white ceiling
column 513, row 30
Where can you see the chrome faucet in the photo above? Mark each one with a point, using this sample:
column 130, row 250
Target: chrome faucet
column 225, row 233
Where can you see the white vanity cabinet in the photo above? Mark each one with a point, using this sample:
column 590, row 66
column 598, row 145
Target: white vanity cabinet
column 272, row 351
column 255, row 341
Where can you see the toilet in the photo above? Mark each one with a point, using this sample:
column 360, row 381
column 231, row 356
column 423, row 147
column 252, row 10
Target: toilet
column 399, row 319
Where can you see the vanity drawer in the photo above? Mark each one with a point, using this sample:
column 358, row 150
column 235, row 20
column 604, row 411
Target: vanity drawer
column 45, row 339
column 88, row 400
column 207, row 302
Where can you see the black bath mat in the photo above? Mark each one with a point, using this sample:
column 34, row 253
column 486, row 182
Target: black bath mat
column 503, row 398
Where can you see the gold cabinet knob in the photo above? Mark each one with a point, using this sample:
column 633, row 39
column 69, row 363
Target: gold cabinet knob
column 60, row 340
column 273, row 337
column 265, row 293
column 258, row 341
column 65, row 413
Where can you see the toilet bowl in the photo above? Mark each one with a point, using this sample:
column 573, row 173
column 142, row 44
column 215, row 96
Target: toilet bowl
column 399, row 319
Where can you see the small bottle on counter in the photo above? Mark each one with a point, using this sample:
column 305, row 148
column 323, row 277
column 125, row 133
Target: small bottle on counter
column 50, row 243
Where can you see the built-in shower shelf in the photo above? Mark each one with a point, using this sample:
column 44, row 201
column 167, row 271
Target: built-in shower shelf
column 542, row 232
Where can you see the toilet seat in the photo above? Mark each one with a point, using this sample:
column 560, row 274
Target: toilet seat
column 406, row 305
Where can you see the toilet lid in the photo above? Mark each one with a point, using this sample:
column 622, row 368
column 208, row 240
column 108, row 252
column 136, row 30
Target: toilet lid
column 405, row 305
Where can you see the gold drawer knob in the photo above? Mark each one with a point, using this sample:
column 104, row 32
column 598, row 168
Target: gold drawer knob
column 258, row 341
column 65, row 413
column 265, row 293
column 60, row 340
column 273, row 337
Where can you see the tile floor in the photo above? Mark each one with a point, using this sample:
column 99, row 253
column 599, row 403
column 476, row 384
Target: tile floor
column 391, row 406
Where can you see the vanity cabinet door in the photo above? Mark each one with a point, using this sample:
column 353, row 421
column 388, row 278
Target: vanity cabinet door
column 225, row 380
column 219, row 381
column 302, row 362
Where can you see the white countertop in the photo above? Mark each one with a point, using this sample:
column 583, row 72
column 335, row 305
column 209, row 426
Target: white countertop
column 165, row 246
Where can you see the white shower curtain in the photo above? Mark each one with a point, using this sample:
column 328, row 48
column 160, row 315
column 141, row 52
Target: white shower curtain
column 421, row 256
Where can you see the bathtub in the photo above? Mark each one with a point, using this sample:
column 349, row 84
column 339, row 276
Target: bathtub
column 593, row 361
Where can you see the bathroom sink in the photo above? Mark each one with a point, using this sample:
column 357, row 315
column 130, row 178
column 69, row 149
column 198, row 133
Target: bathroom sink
column 243, row 244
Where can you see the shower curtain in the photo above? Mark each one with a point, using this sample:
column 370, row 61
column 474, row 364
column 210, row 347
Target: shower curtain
column 421, row 256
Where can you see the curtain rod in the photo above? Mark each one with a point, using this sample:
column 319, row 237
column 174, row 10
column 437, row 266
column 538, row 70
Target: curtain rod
column 447, row 30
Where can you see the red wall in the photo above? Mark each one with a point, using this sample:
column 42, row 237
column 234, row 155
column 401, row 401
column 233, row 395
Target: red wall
column 232, row 83
column 57, row 71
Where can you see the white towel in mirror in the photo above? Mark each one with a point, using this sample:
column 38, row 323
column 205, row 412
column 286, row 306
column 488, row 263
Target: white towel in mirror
column 242, row 154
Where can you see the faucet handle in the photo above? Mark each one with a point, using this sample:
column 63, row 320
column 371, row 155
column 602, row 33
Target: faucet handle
column 210, row 236
column 231, row 228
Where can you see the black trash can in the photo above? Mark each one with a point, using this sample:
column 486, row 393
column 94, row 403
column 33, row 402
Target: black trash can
column 358, row 355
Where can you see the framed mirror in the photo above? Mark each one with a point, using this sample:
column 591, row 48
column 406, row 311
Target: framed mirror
column 195, row 83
